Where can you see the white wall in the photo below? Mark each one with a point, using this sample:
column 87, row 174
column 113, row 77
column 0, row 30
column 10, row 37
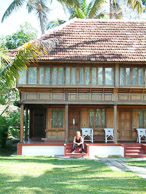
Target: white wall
column 42, row 150
column 106, row 150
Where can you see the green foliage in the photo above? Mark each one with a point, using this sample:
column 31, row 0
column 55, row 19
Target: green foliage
column 144, row 2
column 22, row 36
column 4, row 125
column 87, row 10
column 14, row 123
column 55, row 23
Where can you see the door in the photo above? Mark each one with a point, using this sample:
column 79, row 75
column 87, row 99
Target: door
column 39, row 123
column 74, row 123
column 125, row 125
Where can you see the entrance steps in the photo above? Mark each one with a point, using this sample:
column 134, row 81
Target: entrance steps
column 68, row 152
column 134, row 150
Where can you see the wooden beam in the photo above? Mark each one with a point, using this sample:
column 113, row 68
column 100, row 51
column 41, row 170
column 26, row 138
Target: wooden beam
column 21, row 122
column 117, row 75
column 115, row 123
column 26, row 125
column 66, row 123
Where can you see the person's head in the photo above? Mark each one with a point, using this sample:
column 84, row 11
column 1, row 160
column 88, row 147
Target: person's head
column 78, row 134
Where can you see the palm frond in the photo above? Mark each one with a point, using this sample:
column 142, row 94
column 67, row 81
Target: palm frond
column 80, row 13
column 88, row 9
column 74, row 3
column 96, row 5
column 15, row 5
column 55, row 23
column 11, row 68
column 84, row 6
column 136, row 5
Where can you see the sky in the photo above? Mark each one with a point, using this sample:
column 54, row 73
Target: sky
column 12, row 23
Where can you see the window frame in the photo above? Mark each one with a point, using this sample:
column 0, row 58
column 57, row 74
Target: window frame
column 98, row 126
column 131, row 76
column 57, row 126
column 143, row 114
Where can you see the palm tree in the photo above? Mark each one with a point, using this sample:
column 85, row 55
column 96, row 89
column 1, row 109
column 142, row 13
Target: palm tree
column 116, row 11
column 136, row 4
column 38, row 6
column 86, row 10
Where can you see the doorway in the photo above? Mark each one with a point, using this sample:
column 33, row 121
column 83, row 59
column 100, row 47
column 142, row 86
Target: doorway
column 74, row 123
column 125, row 125
column 39, row 123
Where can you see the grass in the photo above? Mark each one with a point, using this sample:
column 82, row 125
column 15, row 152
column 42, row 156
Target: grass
column 137, row 163
column 48, row 175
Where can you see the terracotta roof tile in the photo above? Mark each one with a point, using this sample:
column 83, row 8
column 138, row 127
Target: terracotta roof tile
column 103, row 40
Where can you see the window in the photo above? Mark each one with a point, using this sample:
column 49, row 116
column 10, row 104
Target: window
column 41, row 75
column 97, row 118
column 127, row 76
column 81, row 76
column 142, row 118
column 22, row 77
column 132, row 76
column 140, row 76
column 87, row 75
column 108, row 76
column 122, row 76
column 100, row 76
column 32, row 75
column 47, row 75
column 54, row 76
column 93, row 75
column 57, row 118
column 67, row 75
column 73, row 75
column 60, row 75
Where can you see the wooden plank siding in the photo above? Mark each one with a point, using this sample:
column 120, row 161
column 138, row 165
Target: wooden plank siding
column 80, row 98
column 59, row 133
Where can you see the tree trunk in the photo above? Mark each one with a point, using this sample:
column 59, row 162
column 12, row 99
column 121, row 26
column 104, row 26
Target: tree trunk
column 110, row 6
column 42, row 23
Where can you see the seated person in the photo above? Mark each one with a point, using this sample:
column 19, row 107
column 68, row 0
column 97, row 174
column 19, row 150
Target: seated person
column 78, row 141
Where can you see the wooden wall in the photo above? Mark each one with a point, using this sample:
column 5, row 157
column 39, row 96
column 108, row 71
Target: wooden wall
column 52, row 133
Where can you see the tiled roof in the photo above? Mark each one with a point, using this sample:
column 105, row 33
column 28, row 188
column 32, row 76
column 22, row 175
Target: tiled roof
column 98, row 40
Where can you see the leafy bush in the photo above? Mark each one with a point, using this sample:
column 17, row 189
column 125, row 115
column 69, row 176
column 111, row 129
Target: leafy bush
column 14, row 122
column 4, row 126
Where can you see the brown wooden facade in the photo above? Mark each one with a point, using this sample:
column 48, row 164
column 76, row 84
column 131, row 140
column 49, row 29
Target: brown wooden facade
column 116, row 105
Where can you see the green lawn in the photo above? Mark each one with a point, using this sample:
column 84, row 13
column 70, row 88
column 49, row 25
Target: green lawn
column 137, row 163
column 19, row 174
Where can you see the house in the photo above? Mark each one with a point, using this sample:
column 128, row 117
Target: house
column 94, row 77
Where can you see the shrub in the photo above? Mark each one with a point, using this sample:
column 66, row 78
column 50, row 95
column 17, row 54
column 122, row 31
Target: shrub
column 4, row 126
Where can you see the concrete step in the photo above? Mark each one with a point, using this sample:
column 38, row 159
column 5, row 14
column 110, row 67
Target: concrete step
column 133, row 147
column 134, row 150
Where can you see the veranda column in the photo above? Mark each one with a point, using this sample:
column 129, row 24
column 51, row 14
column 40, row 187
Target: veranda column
column 66, row 123
column 21, row 122
column 26, row 125
column 115, row 123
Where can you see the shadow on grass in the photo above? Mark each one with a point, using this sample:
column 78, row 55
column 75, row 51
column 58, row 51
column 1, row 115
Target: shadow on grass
column 72, row 177
column 8, row 151
column 137, row 163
